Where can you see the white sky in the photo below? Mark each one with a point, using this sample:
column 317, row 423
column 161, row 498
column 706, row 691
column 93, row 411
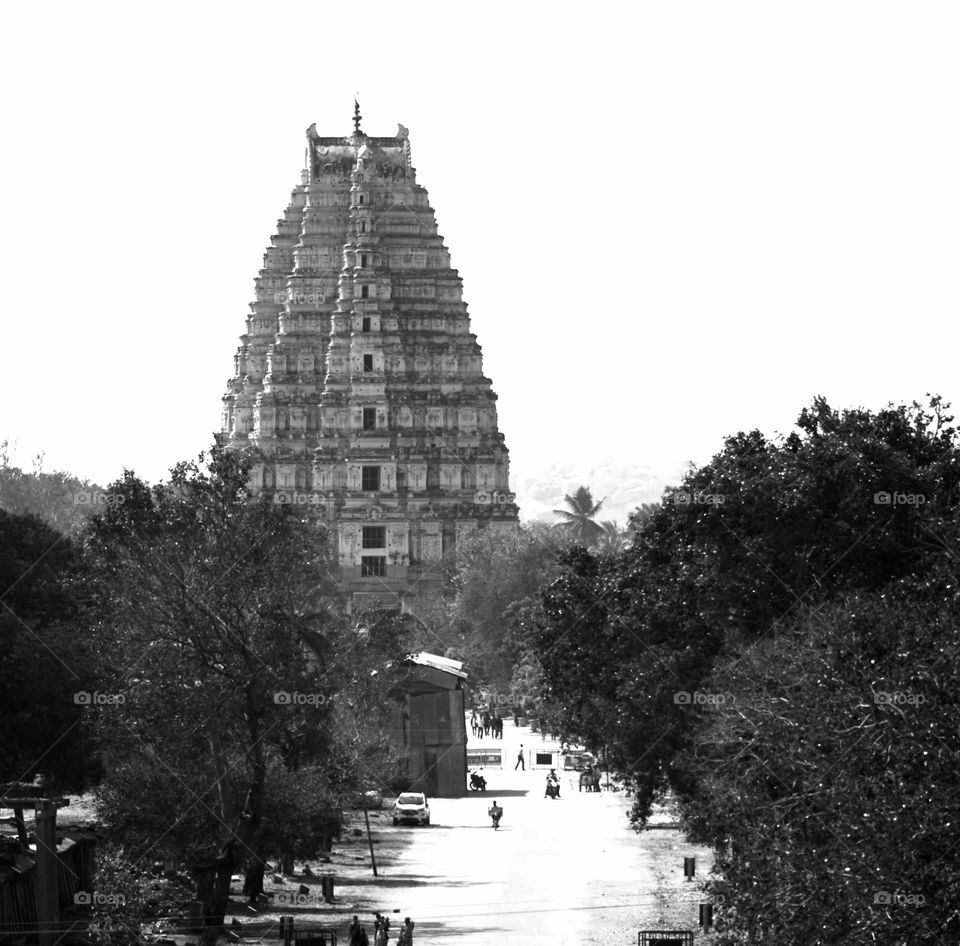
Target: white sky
column 673, row 221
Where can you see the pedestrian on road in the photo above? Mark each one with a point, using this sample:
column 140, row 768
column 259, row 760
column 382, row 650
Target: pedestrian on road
column 520, row 763
column 381, row 930
column 496, row 813
column 406, row 933
column 486, row 724
column 516, row 717
column 358, row 935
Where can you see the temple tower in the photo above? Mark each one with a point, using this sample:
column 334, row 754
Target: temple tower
column 358, row 387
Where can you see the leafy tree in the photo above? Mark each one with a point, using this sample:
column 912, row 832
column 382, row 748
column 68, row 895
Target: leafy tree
column 62, row 500
column 744, row 543
column 613, row 539
column 497, row 572
column 578, row 520
column 212, row 614
column 827, row 773
column 44, row 664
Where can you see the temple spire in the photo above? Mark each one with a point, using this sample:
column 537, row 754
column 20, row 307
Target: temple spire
column 356, row 116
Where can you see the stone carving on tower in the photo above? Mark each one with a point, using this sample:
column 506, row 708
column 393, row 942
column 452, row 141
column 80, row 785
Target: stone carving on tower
column 358, row 387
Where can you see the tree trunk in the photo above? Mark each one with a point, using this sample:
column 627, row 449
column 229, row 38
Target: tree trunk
column 253, row 879
column 218, row 894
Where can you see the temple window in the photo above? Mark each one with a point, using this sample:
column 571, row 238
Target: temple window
column 368, row 363
column 373, row 566
column 370, row 478
column 369, row 418
column 374, row 537
column 365, row 324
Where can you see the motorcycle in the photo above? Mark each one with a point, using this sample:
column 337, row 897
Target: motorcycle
column 553, row 787
column 477, row 782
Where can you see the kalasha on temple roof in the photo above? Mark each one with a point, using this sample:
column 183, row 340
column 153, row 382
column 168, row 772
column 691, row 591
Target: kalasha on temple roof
column 358, row 387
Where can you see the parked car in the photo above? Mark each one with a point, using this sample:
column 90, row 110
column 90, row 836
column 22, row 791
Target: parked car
column 412, row 807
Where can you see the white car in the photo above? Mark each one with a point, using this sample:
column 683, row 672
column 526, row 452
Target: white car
column 412, row 807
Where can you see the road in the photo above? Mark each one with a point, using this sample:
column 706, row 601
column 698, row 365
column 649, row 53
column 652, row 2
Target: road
column 568, row 871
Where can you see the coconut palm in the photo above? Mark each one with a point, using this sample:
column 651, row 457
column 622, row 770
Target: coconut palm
column 578, row 520
column 613, row 539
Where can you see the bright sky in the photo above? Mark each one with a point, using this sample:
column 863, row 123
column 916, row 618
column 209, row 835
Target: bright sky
column 673, row 220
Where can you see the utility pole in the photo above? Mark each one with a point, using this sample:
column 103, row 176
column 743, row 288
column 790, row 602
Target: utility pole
column 366, row 817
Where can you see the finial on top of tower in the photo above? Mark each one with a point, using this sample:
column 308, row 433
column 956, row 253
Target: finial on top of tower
column 356, row 116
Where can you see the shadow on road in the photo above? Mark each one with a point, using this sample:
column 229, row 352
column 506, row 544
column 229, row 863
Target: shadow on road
column 500, row 793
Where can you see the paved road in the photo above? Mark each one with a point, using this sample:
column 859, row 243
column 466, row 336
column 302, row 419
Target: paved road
column 562, row 872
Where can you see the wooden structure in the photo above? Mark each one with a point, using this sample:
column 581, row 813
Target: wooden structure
column 431, row 724
column 38, row 880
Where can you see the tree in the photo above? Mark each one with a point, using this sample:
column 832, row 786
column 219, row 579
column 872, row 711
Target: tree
column 45, row 668
column 495, row 572
column 62, row 500
column 613, row 539
column 578, row 520
column 850, row 501
column 212, row 614
column 827, row 773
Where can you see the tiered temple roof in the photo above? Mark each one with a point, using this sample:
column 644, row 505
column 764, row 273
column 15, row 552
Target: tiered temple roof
column 358, row 386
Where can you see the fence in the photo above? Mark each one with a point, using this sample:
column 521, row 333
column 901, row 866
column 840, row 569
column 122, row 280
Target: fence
column 18, row 896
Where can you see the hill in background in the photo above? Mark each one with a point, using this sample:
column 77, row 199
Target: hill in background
column 625, row 488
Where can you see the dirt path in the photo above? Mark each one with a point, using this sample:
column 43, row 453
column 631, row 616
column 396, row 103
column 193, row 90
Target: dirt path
column 559, row 872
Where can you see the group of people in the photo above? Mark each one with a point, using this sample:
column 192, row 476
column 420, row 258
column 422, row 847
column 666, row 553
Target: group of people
column 590, row 778
column 485, row 724
column 381, row 932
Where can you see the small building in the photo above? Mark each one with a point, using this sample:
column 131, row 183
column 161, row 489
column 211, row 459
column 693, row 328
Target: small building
column 430, row 719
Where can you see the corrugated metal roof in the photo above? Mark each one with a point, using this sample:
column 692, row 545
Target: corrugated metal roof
column 437, row 662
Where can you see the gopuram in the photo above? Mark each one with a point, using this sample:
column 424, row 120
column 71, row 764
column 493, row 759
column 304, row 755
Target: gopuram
column 358, row 387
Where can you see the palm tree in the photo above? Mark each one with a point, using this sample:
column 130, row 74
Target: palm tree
column 614, row 539
column 578, row 520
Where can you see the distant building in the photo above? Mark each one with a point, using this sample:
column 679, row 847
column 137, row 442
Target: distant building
column 431, row 722
column 358, row 387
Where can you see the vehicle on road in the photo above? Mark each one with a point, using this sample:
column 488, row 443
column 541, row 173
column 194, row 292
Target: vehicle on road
column 477, row 782
column 411, row 808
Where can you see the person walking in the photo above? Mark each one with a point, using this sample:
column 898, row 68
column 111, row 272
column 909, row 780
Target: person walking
column 520, row 763
column 406, row 933
column 496, row 813
column 358, row 935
